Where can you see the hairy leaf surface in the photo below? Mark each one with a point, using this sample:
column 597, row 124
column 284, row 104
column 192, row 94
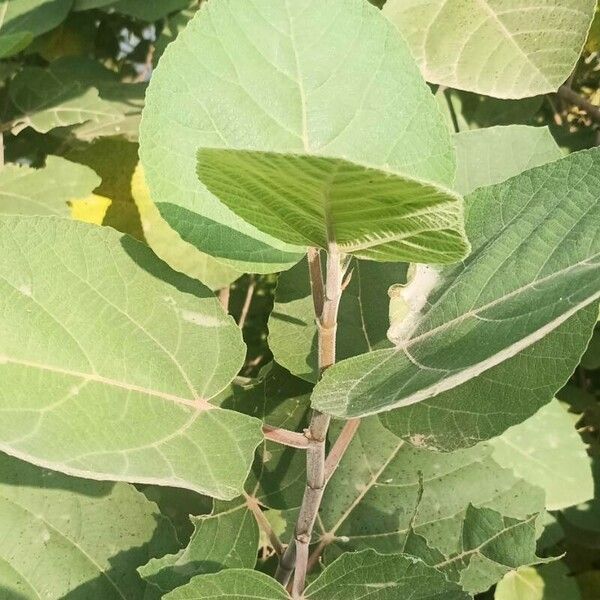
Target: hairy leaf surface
column 327, row 78
column 535, row 263
column 114, row 381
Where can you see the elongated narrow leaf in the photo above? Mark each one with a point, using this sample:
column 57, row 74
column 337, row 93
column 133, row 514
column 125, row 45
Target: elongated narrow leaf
column 375, row 499
column 507, row 49
column 385, row 577
column 362, row 319
column 44, row 191
column 317, row 201
column 168, row 245
column 492, row 155
column 232, row 584
column 547, row 451
column 62, row 537
column 535, row 263
column 109, row 359
column 226, row 539
column 327, row 78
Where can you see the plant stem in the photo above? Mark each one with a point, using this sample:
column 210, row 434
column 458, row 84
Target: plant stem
column 247, row 302
column 224, row 294
column 263, row 523
column 285, row 437
column 339, row 447
column 326, row 301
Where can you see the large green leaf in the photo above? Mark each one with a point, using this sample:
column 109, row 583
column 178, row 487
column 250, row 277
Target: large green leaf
column 329, row 78
column 375, row 499
column 13, row 43
column 224, row 540
column 382, row 577
column 534, row 264
column 317, row 201
column 502, row 48
column 547, row 451
column 232, row 584
column 62, row 537
column 45, row 191
column 491, row 155
column 352, row 577
column 32, row 16
column 113, row 379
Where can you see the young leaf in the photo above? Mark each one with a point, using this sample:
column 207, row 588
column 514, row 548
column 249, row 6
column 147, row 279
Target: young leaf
column 534, row 265
column 385, row 577
column 547, row 451
column 168, row 245
column 494, row 154
column 226, row 539
column 546, row 582
column 507, row 50
column 329, row 78
column 44, row 191
column 362, row 319
column 232, row 584
column 316, row 201
column 113, row 381
column 65, row 537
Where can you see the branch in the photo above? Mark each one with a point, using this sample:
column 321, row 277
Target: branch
column 224, row 294
column 339, row 447
column 296, row 554
column 264, row 524
column 568, row 94
column 247, row 302
column 285, row 437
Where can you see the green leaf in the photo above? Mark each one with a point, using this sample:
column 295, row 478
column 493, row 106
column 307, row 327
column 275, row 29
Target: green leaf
column 111, row 383
column 375, row 499
column 13, row 43
column 316, row 201
column 267, row 85
column 44, row 191
column 547, row 451
column 385, row 577
column 500, row 397
column 492, row 155
column 65, row 537
column 232, row 584
column 226, row 539
column 168, row 245
column 490, row 545
column 88, row 4
column 534, row 264
column 32, row 17
column 507, row 50
column 77, row 91
column 148, row 11
column 362, row 318
column 547, row 582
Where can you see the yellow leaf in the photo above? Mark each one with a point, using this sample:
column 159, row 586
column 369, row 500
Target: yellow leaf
column 91, row 209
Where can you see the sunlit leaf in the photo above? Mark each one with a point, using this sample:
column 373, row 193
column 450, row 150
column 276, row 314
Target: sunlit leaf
column 508, row 49
column 109, row 359
column 534, row 265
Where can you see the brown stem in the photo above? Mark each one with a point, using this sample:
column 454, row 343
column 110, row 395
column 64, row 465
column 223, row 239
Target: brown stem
column 339, row 447
column 264, row 524
column 296, row 554
column 285, row 437
column 224, row 294
column 568, row 94
column 247, row 302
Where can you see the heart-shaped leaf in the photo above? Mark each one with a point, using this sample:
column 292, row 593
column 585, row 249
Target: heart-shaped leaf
column 108, row 360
